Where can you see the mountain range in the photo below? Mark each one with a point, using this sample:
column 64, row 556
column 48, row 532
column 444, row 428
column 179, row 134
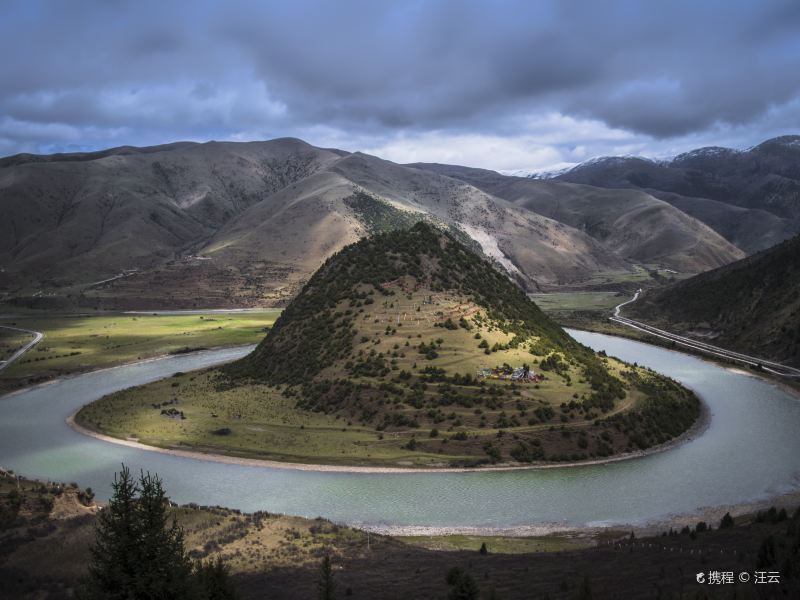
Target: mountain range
column 238, row 224
column 750, row 197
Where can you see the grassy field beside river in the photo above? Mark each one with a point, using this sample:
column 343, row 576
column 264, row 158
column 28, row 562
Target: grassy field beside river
column 80, row 343
column 199, row 411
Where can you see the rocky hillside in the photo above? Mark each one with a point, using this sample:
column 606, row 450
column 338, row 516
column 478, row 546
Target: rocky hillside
column 72, row 220
column 628, row 222
column 752, row 305
column 245, row 224
column 237, row 224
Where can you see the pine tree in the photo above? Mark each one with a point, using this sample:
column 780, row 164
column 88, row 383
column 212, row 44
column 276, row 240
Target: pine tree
column 165, row 570
column 462, row 585
column 585, row 590
column 766, row 554
column 327, row 585
column 726, row 522
column 113, row 566
column 139, row 551
column 214, row 579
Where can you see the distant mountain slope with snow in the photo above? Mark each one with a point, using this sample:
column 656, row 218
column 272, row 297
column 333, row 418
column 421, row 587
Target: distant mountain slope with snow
column 722, row 187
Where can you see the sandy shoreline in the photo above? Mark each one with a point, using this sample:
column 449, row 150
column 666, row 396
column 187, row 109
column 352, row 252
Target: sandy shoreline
column 711, row 515
column 782, row 385
column 695, row 430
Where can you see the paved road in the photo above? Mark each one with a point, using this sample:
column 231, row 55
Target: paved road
column 753, row 361
column 37, row 337
column 634, row 299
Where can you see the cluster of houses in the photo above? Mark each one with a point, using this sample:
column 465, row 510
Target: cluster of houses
column 522, row 374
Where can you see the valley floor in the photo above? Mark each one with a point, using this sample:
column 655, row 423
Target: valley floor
column 77, row 343
column 278, row 556
column 217, row 454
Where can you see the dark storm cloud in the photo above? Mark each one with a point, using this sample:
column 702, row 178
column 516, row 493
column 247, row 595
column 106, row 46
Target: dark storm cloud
column 99, row 73
column 662, row 70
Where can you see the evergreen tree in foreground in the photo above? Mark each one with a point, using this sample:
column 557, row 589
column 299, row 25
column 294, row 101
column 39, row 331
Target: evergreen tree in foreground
column 327, row 586
column 139, row 552
column 214, row 579
column 113, row 568
column 462, row 585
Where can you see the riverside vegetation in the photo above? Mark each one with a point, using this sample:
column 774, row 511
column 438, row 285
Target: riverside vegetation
column 48, row 532
column 378, row 361
column 79, row 343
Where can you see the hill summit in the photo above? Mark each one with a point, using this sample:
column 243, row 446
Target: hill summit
column 406, row 349
column 411, row 333
column 412, row 278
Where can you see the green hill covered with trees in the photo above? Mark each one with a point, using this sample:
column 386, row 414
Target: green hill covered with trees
column 407, row 349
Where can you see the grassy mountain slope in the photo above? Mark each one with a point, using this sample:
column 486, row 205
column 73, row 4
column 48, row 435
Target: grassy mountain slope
column 309, row 221
column 630, row 223
column 378, row 361
column 752, row 305
column 426, row 261
column 750, row 229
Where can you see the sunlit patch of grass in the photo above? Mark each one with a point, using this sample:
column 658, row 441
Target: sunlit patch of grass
column 75, row 344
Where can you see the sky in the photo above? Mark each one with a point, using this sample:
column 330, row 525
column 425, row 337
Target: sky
column 498, row 84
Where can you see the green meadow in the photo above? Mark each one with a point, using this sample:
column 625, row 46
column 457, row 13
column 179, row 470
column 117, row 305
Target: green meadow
column 74, row 344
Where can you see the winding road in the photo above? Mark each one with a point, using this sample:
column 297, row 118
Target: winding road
column 37, row 337
column 751, row 361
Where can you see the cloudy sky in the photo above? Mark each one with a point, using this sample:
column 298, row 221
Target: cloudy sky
column 497, row 84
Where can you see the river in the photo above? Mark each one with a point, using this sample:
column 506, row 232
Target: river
column 750, row 451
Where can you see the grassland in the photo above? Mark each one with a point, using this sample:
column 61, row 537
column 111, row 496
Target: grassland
column 572, row 301
column 408, row 350
column 202, row 411
column 639, row 275
column 589, row 311
column 80, row 343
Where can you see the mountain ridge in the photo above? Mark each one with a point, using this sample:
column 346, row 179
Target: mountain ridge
column 221, row 224
column 763, row 181
column 630, row 223
column 176, row 217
